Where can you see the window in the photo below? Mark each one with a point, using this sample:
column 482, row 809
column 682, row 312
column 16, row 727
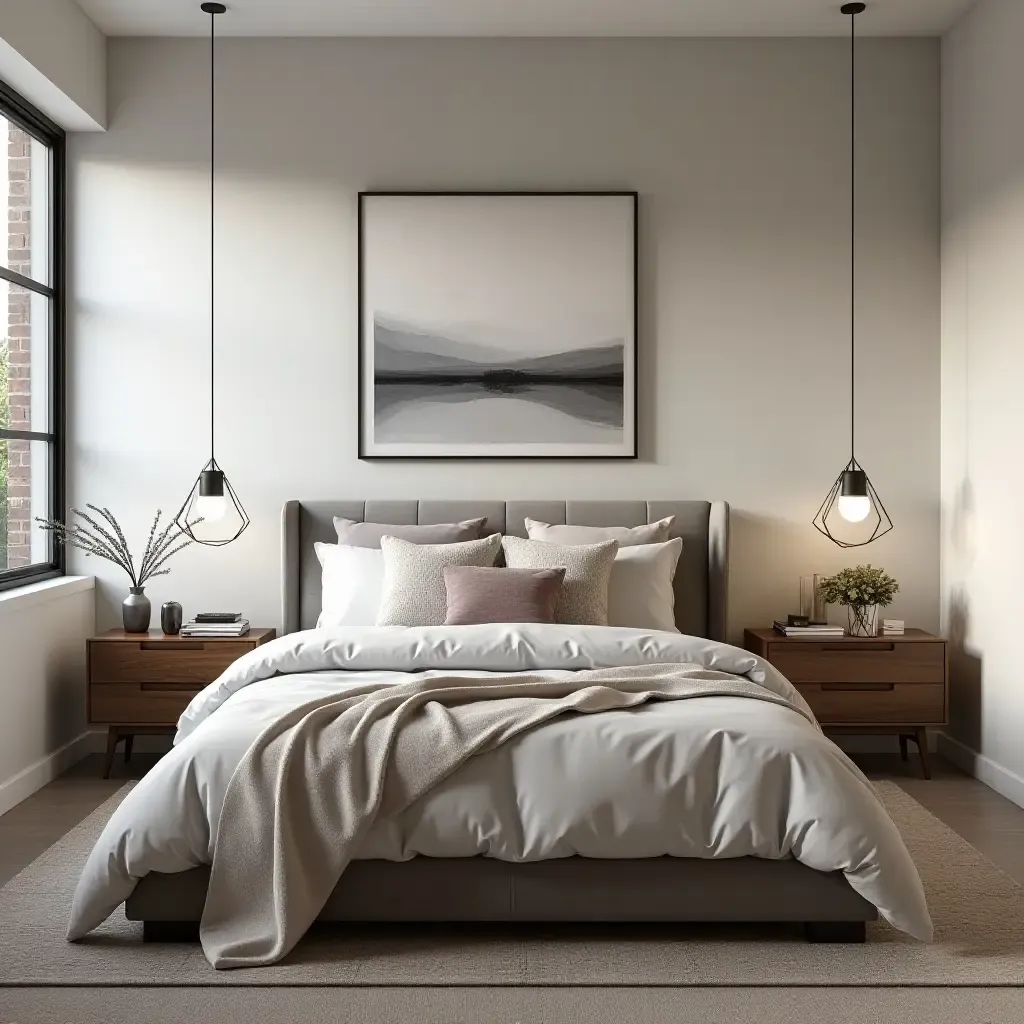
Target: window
column 31, row 341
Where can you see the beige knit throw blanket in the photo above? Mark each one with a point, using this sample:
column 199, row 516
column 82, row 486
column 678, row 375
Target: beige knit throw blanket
column 308, row 790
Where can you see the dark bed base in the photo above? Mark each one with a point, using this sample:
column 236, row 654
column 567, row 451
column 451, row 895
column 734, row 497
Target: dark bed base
column 814, row 931
column 573, row 889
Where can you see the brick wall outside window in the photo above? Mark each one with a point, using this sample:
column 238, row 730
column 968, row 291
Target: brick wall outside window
column 19, row 328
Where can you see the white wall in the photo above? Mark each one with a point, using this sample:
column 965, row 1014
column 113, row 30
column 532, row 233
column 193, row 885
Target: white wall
column 43, row 629
column 57, row 58
column 739, row 151
column 982, row 371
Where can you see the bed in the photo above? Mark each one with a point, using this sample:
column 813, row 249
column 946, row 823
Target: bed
column 169, row 899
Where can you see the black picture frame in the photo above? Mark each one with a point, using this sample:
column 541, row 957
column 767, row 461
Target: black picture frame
column 362, row 401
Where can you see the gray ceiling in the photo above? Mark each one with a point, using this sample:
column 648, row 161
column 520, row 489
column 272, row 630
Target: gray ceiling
column 523, row 17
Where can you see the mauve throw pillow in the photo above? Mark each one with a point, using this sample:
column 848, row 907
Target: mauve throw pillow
column 477, row 594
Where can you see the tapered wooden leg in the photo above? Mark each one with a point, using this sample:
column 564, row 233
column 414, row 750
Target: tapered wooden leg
column 835, row 931
column 112, row 738
column 921, row 737
column 903, row 747
column 128, row 741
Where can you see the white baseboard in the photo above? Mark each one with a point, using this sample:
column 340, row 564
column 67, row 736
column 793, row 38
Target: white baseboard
column 984, row 769
column 46, row 769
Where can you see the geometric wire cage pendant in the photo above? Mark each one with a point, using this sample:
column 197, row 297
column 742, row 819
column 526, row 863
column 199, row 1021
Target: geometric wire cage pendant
column 852, row 513
column 852, row 494
column 212, row 514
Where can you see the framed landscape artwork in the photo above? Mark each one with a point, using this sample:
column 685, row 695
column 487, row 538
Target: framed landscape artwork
column 497, row 325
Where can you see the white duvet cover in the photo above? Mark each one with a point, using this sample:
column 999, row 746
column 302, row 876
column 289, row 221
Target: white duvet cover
column 710, row 777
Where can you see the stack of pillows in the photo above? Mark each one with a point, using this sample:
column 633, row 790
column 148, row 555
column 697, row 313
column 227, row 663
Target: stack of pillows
column 446, row 574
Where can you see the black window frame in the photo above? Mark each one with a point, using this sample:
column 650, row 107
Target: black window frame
column 15, row 108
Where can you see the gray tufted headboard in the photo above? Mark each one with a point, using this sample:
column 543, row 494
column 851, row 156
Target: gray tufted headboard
column 701, row 580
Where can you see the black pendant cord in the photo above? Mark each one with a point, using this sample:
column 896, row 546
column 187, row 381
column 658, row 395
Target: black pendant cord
column 213, row 143
column 853, row 234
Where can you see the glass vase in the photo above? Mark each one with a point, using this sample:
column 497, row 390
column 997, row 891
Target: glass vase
column 863, row 619
column 811, row 602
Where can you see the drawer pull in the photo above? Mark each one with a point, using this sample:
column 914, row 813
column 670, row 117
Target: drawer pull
column 852, row 687
column 865, row 648
column 158, row 645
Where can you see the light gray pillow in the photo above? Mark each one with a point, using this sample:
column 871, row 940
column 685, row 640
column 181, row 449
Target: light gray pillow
column 354, row 534
column 414, row 593
column 583, row 598
column 627, row 536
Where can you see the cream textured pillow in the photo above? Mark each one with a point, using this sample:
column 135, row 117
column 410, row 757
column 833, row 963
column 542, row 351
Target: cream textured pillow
column 414, row 592
column 584, row 596
column 640, row 592
column 625, row 535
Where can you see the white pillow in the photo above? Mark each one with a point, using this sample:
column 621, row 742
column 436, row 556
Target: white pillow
column 353, row 580
column 625, row 535
column 414, row 590
column 640, row 590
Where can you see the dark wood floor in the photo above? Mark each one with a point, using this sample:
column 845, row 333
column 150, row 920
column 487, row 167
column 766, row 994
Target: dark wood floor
column 986, row 820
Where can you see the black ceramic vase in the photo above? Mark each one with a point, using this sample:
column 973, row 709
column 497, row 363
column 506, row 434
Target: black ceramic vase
column 136, row 611
column 170, row 618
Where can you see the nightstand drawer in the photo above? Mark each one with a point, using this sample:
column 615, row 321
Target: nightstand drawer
column 876, row 703
column 153, row 661
column 139, row 703
column 866, row 661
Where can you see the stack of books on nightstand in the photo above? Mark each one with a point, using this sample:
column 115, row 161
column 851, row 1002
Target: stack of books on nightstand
column 892, row 627
column 817, row 629
column 213, row 624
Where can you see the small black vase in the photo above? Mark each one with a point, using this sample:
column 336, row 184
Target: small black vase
column 170, row 618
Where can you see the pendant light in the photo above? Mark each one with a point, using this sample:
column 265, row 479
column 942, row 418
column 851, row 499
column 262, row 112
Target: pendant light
column 212, row 513
column 853, row 498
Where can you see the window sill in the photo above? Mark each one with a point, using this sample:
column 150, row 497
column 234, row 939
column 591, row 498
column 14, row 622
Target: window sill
column 31, row 594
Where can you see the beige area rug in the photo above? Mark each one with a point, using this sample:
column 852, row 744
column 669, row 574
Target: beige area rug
column 519, row 1005
column 978, row 912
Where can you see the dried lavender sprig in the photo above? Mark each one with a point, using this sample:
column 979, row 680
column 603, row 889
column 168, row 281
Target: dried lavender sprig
column 159, row 544
column 167, row 536
column 80, row 538
column 149, row 543
column 114, row 543
column 166, row 549
column 102, row 537
column 108, row 515
column 107, row 535
column 169, row 554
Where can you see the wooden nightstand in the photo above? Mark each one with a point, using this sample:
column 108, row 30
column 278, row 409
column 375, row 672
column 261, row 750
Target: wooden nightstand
column 139, row 683
column 893, row 684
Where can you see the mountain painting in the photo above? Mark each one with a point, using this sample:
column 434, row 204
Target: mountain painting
column 490, row 329
column 429, row 387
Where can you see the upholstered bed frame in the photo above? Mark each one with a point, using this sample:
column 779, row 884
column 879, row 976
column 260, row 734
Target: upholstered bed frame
column 574, row 888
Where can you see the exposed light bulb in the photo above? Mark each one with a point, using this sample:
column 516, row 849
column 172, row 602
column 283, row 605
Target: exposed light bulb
column 854, row 508
column 212, row 507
